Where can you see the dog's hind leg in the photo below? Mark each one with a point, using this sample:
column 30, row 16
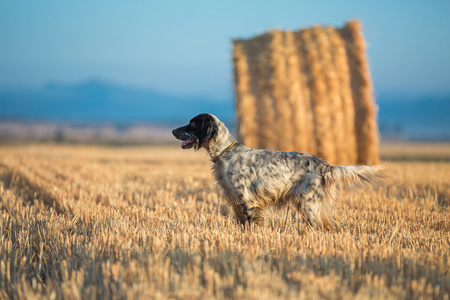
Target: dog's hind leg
column 313, row 202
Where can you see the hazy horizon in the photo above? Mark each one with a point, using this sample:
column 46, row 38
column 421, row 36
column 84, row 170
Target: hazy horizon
column 185, row 48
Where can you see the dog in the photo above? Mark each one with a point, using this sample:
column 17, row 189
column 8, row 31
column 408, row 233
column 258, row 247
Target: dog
column 251, row 179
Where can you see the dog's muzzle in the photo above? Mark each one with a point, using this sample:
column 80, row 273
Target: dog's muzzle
column 188, row 140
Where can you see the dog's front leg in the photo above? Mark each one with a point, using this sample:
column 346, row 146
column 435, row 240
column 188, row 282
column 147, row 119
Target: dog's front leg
column 248, row 211
column 236, row 204
column 241, row 217
column 253, row 212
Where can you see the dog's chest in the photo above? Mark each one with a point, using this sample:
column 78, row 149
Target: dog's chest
column 219, row 173
column 222, row 176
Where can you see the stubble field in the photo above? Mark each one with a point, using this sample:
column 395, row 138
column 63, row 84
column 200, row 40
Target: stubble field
column 83, row 222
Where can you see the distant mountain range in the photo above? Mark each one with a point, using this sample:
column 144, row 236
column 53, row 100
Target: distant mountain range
column 399, row 116
column 97, row 101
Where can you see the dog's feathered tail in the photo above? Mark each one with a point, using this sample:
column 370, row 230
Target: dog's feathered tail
column 357, row 176
column 346, row 178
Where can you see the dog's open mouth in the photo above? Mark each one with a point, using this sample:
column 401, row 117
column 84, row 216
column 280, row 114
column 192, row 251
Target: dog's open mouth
column 188, row 143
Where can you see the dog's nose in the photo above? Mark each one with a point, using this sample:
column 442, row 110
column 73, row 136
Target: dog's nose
column 173, row 131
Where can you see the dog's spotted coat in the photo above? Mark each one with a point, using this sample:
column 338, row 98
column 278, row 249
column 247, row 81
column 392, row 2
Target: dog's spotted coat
column 251, row 179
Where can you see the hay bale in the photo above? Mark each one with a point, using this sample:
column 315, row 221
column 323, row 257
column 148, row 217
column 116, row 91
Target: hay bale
column 308, row 91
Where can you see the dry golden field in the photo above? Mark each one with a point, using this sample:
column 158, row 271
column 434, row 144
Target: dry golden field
column 83, row 222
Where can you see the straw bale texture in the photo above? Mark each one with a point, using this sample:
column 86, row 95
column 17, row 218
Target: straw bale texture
column 308, row 91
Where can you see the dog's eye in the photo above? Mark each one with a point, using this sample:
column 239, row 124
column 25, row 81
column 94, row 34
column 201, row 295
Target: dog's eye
column 192, row 124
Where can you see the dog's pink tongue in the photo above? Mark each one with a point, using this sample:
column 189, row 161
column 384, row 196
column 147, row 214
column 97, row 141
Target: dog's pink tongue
column 187, row 144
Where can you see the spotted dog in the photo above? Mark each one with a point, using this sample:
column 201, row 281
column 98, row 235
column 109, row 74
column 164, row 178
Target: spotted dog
column 251, row 179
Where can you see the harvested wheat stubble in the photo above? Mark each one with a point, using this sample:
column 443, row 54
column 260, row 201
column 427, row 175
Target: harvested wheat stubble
column 308, row 91
column 83, row 222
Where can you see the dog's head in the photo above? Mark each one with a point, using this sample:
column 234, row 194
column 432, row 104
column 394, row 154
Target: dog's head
column 199, row 132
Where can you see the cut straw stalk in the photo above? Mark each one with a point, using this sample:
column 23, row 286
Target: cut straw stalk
column 266, row 106
column 305, row 140
column 245, row 103
column 278, row 83
column 318, row 91
column 365, row 123
column 346, row 138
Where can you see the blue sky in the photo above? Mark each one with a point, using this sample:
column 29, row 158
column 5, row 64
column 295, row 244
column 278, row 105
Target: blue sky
column 184, row 47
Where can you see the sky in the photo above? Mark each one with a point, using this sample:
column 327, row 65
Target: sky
column 185, row 47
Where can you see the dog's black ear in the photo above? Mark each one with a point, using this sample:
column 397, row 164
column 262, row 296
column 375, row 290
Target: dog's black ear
column 209, row 129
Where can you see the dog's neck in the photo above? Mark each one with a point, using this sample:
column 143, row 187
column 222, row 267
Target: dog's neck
column 221, row 143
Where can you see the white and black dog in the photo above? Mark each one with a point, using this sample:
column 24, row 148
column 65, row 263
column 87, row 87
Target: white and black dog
column 252, row 178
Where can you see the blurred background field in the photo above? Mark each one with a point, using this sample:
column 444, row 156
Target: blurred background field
column 415, row 151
